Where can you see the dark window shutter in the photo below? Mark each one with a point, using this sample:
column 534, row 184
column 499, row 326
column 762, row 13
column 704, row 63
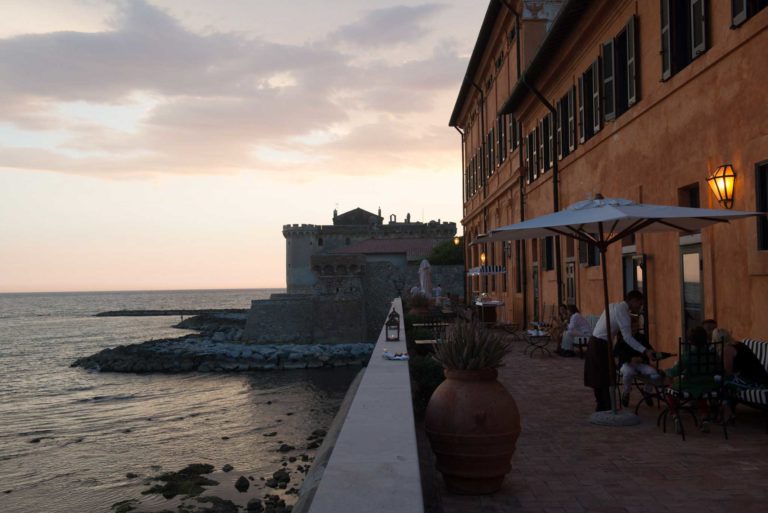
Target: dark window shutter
column 560, row 146
column 581, row 109
column 666, row 40
column 596, row 119
column 738, row 12
column 551, row 136
column 762, row 206
column 540, row 138
column 594, row 255
column 632, row 68
column 534, row 153
column 530, row 157
column 609, row 81
column 571, row 119
column 698, row 27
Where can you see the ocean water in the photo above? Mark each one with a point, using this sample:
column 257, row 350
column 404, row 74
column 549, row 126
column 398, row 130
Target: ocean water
column 68, row 437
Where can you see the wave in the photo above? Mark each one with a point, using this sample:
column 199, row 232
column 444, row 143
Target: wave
column 106, row 398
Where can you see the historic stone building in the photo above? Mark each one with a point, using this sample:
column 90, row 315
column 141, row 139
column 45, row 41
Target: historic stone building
column 341, row 278
column 640, row 99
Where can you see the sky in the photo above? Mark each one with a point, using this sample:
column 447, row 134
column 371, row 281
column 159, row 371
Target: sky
column 163, row 144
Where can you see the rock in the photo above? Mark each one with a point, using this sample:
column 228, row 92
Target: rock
column 242, row 484
column 131, row 475
column 273, row 433
column 272, row 483
column 254, row 506
column 292, row 459
column 225, row 438
column 286, row 448
column 313, row 445
column 227, row 468
column 188, row 481
column 281, row 476
column 218, row 505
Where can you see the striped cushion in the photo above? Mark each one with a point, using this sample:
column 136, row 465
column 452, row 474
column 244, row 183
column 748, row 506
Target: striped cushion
column 754, row 396
column 674, row 392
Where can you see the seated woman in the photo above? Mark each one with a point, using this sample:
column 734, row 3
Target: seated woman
column 633, row 362
column 559, row 323
column 578, row 326
column 695, row 373
column 743, row 369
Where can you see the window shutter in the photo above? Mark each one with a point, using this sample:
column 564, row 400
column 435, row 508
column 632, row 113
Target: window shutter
column 632, row 61
column 596, row 120
column 540, row 139
column 666, row 40
column 530, row 157
column 551, row 134
column 698, row 27
column 534, row 156
column 511, row 131
column 609, row 81
column 571, row 119
column 581, row 109
column 560, row 108
column 583, row 252
column 739, row 11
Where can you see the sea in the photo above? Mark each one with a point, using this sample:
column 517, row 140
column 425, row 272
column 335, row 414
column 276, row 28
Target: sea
column 74, row 441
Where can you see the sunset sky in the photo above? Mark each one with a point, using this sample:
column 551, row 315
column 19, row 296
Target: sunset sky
column 162, row 144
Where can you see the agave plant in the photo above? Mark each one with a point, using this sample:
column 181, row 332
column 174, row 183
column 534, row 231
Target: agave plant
column 469, row 346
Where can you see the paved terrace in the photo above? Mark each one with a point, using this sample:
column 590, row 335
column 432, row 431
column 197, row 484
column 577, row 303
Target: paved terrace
column 565, row 464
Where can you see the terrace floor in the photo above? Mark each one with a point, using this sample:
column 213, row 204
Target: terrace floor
column 565, row 464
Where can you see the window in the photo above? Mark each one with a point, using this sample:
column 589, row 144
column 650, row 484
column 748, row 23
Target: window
column 548, row 254
column 501, row 131
column 589, row 102
column 514, row 133
column 540, row 139
column 589, row 254
column 491, row 162
column 762, row 206
column 566, row 128
column 550, row 131
column 546, row 142
column 683, row 34
column 742, row 10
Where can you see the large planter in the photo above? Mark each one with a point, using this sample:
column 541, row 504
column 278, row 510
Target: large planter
column 472, row 423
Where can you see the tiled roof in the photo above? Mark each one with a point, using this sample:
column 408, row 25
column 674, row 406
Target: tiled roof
column 413, row 248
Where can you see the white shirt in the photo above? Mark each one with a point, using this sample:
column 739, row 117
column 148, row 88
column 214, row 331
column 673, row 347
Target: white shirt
column 578, row 324
column 620, row 321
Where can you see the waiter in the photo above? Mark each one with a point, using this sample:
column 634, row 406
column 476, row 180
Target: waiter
column 597, row 370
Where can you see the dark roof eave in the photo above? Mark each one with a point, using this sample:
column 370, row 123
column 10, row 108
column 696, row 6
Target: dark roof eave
column 477, row 55
column 565, row 22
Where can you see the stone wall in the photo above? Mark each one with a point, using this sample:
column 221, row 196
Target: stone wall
column 305, row 319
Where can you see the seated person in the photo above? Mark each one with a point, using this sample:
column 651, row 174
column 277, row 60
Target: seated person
column 742, row 367
column 633, row 361
column 698, row 376
column 709, row 325
column 578, row 326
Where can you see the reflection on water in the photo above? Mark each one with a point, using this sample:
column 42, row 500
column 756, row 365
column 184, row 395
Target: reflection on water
column 69, row 437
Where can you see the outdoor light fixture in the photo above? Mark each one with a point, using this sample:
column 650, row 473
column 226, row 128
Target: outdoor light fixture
column 482, row 257
column 456, row 241
column 393, row 326
column 721, row 182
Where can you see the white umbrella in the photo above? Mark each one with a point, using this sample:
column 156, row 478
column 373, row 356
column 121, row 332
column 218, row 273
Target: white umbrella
column 603, row 221
column 425, row 278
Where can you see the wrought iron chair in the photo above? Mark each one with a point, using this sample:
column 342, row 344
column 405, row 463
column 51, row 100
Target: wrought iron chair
column 699, row 387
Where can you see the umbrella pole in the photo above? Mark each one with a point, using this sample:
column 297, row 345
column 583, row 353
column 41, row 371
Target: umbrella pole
column 611, row 369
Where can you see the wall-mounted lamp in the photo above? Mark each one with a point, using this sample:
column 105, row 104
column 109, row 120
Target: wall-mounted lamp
column 721, row 182
column 456, row 240
column 482, row 257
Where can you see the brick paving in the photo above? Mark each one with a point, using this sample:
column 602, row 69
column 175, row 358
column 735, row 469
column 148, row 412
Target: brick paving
column 564, row 464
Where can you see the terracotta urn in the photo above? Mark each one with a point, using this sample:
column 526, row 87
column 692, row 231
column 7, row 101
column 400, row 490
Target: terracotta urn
column 472, row 423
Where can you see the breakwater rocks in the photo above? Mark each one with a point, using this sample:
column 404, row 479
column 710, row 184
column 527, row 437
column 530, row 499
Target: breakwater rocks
column 201, row 354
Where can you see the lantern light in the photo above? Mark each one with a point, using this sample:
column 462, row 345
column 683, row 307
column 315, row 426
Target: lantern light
column 456, row 240
column 482, row 257
column 393, row 326
column 721, row 182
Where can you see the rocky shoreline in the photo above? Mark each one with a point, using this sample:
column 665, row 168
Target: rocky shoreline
column 219, row 348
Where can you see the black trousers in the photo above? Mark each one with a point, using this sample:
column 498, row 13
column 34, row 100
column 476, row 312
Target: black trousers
column 596, row 372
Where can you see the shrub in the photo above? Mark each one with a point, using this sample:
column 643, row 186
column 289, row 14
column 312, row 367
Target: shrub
column 469, row 346
column 447, row 253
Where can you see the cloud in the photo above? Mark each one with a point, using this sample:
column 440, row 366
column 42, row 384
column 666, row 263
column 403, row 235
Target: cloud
column 387, row 26
column 207, row 103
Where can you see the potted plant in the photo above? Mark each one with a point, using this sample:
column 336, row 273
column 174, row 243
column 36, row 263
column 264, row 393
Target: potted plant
column 472, row 421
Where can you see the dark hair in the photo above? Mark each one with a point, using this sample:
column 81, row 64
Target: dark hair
column 633, row 295
column 697, row 336
column 709, row 321
column 573, row 309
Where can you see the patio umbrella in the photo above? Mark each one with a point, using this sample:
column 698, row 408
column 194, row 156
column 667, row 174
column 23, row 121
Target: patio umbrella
column 603, row 221
column 425, row 278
